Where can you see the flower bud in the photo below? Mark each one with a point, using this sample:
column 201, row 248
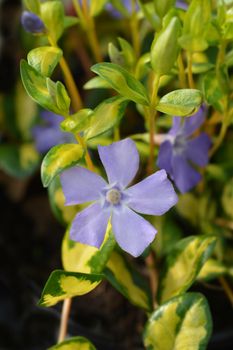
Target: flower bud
column 165, row 48
column 32, row 23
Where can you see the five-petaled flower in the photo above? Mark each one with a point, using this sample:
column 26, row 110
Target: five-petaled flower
column 180, row 151
column 154, row 195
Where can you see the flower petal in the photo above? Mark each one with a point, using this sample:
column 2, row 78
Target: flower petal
column 153, row 196
column 185, row 177
column 121, row 161
column 197, row 149
column 132, row 232
column 165, row 157
column 176, row 125
column 81, row 185
column 89, row 226
column 195, row 121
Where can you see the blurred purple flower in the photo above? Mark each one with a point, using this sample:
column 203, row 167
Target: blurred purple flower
column 127, row 4
column 49, row 134
column 180, row 151
column 32, row 23
column 153, row 196
column 181, row 4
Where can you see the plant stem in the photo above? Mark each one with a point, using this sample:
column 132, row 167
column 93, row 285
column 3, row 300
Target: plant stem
column 64, row 319
column 220, row 138
column 88, row 25
column 227, row 289
column 190, row 72
column 182, row 77
column 153, row 277
column 134, row 29
column 76, row 100
column 151, row 115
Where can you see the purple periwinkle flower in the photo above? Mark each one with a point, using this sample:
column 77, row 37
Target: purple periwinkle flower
column 180, row 151
column 117, row 14
column 113, row 200
column 49, row 134
column 181, row 4
column 32, row 23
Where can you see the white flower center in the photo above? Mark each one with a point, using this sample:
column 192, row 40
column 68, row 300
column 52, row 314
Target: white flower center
column 113, row 196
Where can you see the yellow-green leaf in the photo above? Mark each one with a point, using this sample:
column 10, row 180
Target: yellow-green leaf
column 44, row 59
column 77, row 122
column 182, row 102
column 122, row 81
column 62, row 285
column 44, row 91
column 83, row 258
column 212, row 269
column 183, row 264
column 75, row 343
column 59, row 158
column 96, row 6
column 106, row 115
column 128, row 281
column 183, row 323
column 52, row 14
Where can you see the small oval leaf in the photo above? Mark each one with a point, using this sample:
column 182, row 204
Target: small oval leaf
column 106, row 115
column 128, row 281
column 62, row 285
column 183, row 265
column 59, row 158
column 83, row 258
column 182, row 102
column 75, row 343
column 183, row 323
column 122, row 81
column 44, row 59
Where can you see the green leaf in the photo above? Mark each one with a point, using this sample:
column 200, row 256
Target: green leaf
column 183, row 323
column 52, row 14
column 96, row 6
column 183, row 264
column 106, row 115
column 32, row 6
column 44, row 59
column 122, row 81
column 97, row 83
column 75, row 343
column 83, row 258
column 59, row 158
column 212, row 269
column 62, row 285
column 128, row 281
column 19, row 161
column 70, row 21
column 44, row 91
column 196, row 27
column 77, row 122
column 182, row 102
column 64, row 213
column 165, row 48
column 213, row 92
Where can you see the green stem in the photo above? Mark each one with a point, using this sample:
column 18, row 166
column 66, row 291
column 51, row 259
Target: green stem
column 134, row 29
column 221, row 136
column 151, row 116
column 182, row 77
column 88, row 25
column 190, row 72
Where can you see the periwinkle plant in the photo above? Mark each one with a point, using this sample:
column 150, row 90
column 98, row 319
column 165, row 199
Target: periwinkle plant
column 182, row 93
